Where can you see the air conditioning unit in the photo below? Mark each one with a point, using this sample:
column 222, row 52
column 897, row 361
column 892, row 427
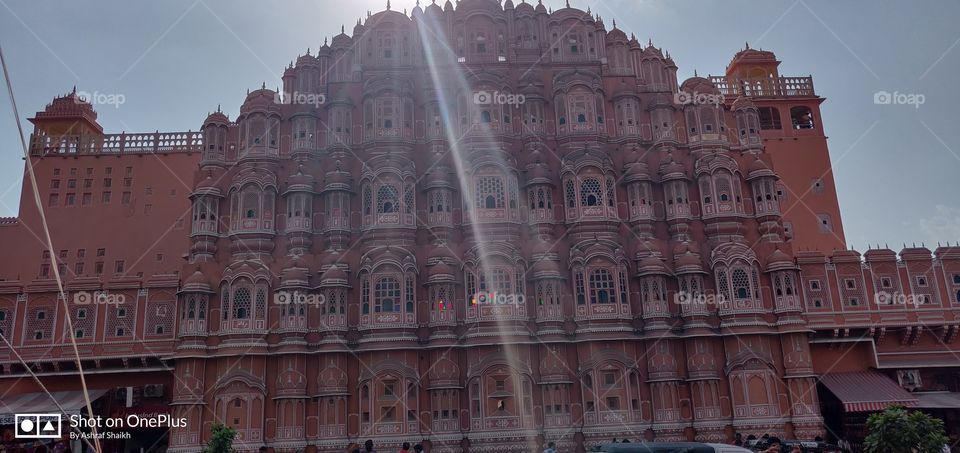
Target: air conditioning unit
column 153, row 391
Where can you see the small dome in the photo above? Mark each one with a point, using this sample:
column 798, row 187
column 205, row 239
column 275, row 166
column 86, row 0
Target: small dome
column 743, row 103
column 671, row 169
column 616, row 35
column 197, row 283
column 779, row 261
column 216, row 118
column 301, row 180
column 263, row 99
column 652, row 265
column 699, row 85
column 758, row 168
column 540, row 7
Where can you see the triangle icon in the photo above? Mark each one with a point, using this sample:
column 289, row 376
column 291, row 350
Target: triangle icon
column 48, row 426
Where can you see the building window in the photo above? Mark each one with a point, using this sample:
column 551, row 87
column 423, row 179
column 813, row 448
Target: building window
column 769, row 118
column 105, row 197
column 814, row 285
column 802, row 117
column 851, row 283
column 53, row 200
column 387, row 295
column 826, row 225
column 601, row 287
column 118, row 266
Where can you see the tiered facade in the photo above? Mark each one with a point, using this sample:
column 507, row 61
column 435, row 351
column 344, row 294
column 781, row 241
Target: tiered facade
column 490, row 274
column 376, row 251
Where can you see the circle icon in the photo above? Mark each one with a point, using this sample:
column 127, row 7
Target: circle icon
column 26, row 425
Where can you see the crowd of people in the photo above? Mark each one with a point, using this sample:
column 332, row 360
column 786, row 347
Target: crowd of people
column 368, row 448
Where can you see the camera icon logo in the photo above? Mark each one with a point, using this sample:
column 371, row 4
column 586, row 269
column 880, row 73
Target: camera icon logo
column 882, row 97
column 482, row 97
column 682, row 98
column 37, row 426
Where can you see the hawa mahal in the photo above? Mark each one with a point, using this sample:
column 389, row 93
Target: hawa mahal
column 480, row 227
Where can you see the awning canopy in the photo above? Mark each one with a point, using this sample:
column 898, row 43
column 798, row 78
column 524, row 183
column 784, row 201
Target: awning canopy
column 866, row 391
column 41, row 403
column 938, row 400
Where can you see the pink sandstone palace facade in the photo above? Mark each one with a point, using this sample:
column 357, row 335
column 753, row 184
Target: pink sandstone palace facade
column 483, row 228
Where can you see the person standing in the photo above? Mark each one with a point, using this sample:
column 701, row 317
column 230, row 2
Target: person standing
column 551, row 448
column 368, row 446
column 405, row 448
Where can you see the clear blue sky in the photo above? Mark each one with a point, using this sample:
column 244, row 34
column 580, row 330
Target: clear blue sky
column 173, row 61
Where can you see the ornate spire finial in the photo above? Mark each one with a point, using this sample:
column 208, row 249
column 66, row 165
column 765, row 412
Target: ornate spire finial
column 568, row 3
column 388, row 5
column 614, row 22
column 747, row 44
column 263, row 85
column 218, row 108
column 324, row 41
column 695, row 73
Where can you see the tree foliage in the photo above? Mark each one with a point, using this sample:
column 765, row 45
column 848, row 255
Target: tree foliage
column 897, row 430
column 221, row 439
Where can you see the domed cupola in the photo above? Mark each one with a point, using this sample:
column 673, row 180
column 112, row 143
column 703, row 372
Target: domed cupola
column 196, row 283
column 434, row 10
column 670, row 169
column 758, row 169
column 634, row 167
column 342, row 40
column 263, row 99
column 440, row 261
column 295, row 274
column 333, row 270
column 651, row 264
column 217, row 118
column 687, row 260
column 300, row 182
column 778, row 261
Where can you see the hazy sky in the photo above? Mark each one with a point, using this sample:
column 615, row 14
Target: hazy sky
column 173, row 61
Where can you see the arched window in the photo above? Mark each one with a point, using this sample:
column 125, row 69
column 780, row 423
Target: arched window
column 484, row 116
column 387, row 295
column 241, row 303
column 365, row 296
column 490, row 192
column 602, row 289
column 570, row 195
column 387, row 200
column 590, row 194
column 740, row 283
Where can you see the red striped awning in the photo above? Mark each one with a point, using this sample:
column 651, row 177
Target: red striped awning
column 866, row 391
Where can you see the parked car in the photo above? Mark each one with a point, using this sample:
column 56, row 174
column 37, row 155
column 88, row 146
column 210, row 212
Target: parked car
column 786, row 446
column 669, row 447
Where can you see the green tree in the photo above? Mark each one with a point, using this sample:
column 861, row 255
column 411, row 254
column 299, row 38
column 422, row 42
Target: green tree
column 897, row 430
column 221, row 439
